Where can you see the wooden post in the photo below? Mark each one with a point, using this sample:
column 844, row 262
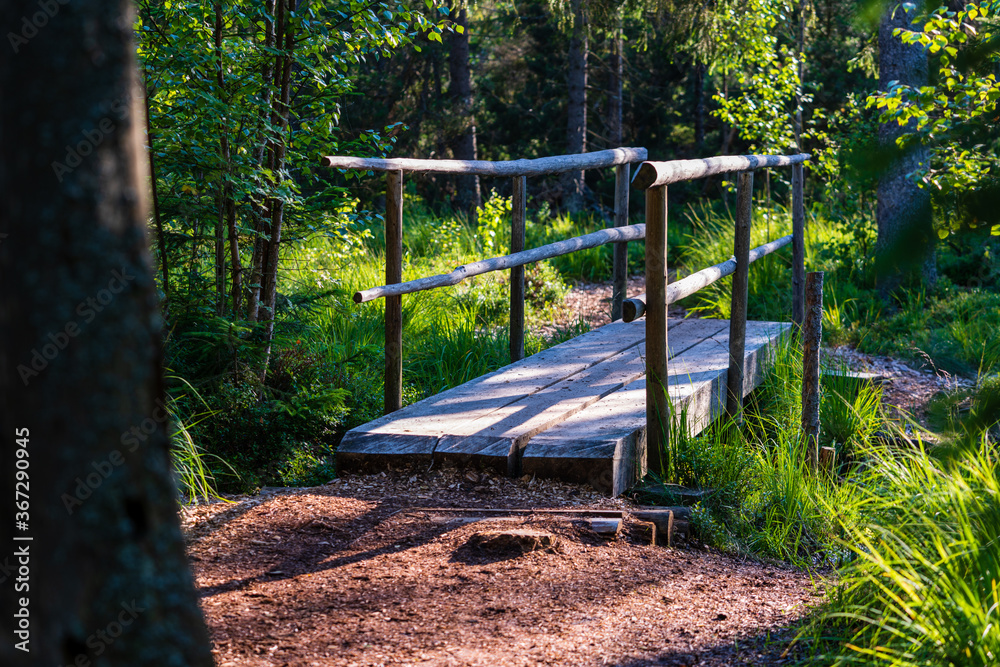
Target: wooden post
column 798, row 246
column 517, row 273
column 657, row 399
column 812, row 335
column 619, row 271
column 393, row 304
column 738, row 309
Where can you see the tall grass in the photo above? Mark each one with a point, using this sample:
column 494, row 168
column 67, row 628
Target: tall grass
column 192, row 475
column 924, row 587
column 763, row 497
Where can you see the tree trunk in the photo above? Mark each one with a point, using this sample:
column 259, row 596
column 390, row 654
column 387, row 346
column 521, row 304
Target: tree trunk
column 283, row 74
column 161, row 241
column 576, row 123
column 615, row 86
column 905, row 230
column 699, row 107
column 220, row 223
column 259, row 208
column 463, row 143
column 227, row 211
column 80, row 362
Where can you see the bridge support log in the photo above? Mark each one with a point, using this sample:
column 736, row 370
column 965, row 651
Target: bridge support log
column 812, row 336
column 619, row 271
column 657, row 400
column 738, row 308
column 519, row 206
column 393, row 304
column 798, row 247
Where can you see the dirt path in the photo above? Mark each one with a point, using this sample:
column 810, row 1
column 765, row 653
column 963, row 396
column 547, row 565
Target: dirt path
column 348, row 574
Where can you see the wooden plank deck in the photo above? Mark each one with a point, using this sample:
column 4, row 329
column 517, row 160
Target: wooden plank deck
column 575, row 411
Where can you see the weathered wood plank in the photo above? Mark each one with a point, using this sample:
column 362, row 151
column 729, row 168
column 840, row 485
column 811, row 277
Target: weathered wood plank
column 497, row 439
column 617, row 423
column 417, row 427
column 507, row 168
column 655, row 174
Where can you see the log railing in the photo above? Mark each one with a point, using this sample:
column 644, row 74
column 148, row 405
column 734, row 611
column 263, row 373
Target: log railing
column 517, row 171
column 654, row 177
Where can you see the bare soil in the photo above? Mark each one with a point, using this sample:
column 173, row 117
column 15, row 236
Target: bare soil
column 351, row 573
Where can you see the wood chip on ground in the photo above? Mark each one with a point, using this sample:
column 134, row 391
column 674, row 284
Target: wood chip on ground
column 352, row 573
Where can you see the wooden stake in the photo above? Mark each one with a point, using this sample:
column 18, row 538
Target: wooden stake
column 619, row 271
column 393, row 304
column 517, row 272
column 738, row 309
column 657, row 401
column 812, row 335
column 798, row 247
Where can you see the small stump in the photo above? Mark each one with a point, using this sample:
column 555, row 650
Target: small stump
column 517, row 541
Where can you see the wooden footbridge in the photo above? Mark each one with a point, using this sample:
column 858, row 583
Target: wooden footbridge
column 593, row 409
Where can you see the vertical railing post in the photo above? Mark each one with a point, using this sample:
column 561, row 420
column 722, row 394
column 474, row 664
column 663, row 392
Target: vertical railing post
column 798, row 246
column 738, row 309
column 519, row 205
column 812, row 335
column 619, row 271
column 393, row 304
column 657, row 399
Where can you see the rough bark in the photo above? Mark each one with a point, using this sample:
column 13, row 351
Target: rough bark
column 227, row 211
column 80, row 359
column 699, row 106
column 576, row 122
column 463, row 142
column 615, row 86
column 259, row 208
column 161, row 240
column 220, row 223
column 276, row 207
column 905, row 232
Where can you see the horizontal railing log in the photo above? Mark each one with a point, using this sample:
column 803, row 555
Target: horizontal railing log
column 653, row 174
column 592, row 240
column 536, row 167
column 635, row 307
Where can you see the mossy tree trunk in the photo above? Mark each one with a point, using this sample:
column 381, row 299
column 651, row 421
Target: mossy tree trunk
column 80, row 356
